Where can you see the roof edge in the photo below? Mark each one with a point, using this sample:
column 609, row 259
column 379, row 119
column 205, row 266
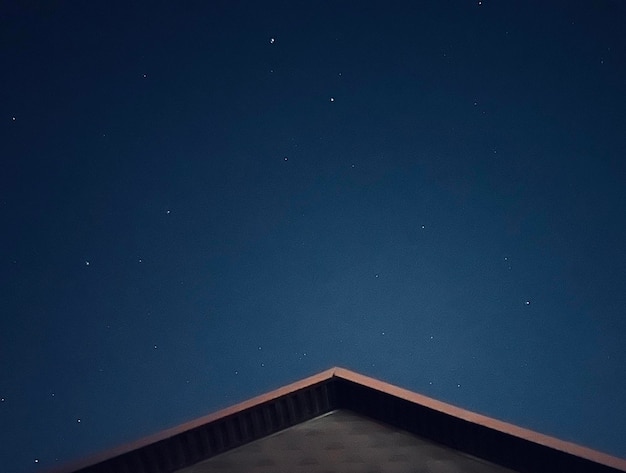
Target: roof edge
column 475, row 418
column 368, row 382
column 172, row 431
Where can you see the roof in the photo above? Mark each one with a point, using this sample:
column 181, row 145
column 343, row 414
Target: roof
column 324, row 403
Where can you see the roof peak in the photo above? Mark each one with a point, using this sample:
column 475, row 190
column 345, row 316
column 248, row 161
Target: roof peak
column 341, row 388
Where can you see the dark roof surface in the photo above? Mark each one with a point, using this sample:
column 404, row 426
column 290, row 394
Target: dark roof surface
column 349, row 395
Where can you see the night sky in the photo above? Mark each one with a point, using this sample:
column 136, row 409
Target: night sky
column 202, row 201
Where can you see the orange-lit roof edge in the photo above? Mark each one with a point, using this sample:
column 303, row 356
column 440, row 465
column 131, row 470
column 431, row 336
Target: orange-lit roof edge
column 475, row 418
column 170, row 432
column 480, row 419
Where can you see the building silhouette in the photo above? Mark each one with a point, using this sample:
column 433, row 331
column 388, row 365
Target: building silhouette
column 341, row 421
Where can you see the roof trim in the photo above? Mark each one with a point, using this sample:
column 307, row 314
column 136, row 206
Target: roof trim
column 192, row 424
column 331, row 389
column 475, row 418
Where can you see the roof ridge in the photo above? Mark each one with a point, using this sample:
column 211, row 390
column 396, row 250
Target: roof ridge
column 314, row 395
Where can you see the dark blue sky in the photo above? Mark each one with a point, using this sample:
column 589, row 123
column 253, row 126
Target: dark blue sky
column 202, row 201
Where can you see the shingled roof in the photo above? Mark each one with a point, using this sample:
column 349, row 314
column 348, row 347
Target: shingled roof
column 339, row 420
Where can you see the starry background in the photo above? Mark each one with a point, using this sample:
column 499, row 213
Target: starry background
column 203, row 201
